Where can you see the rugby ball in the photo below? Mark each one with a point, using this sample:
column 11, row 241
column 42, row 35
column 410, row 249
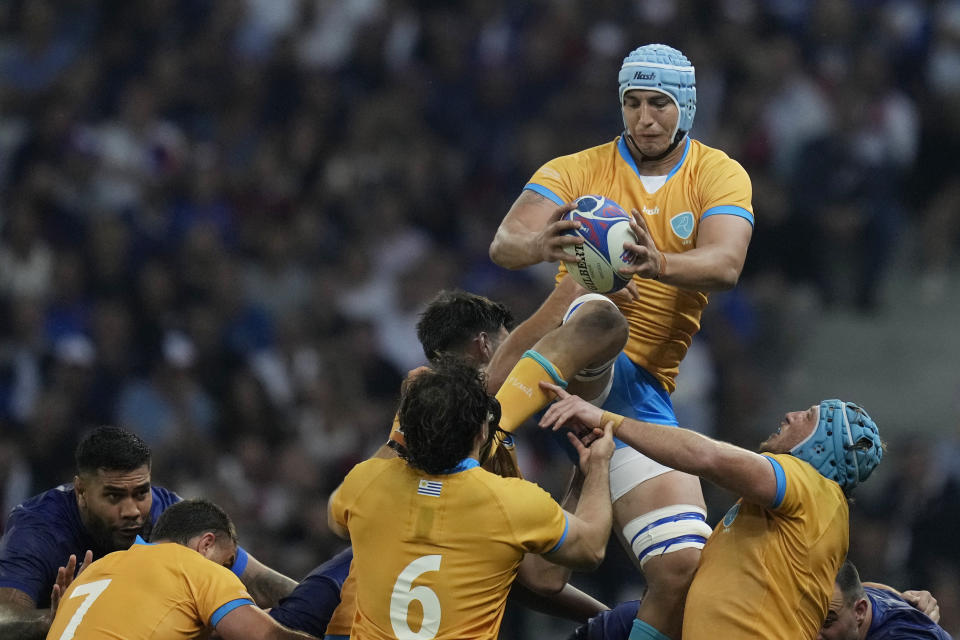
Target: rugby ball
column 604, row 227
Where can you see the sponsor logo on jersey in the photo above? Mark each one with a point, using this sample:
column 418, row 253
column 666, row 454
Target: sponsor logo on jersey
column 528, row 391
column 650, row 212
column 731, row 515
column 682, row 224
column 430, row 488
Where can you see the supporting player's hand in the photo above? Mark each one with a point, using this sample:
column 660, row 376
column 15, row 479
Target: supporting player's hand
column 65, row 576
column 925, row 602
column 594, row 447
column 571, row 412
column 549, row 243
column 647, row 258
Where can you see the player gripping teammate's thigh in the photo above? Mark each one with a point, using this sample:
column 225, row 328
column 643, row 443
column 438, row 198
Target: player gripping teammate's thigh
column 659, row 513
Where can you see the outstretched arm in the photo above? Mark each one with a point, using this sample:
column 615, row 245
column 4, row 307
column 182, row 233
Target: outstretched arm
column 265, row 585
column 252, row 623
column 20, row 618
column 921, row 600
column 589, row 526
column 713, row 265
column 748, row 474
column 538, row 574
column 570, row 604
column 531, row 233
column 542, row 585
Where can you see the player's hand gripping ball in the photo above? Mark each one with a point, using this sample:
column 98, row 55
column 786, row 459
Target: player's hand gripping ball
column 604, row 227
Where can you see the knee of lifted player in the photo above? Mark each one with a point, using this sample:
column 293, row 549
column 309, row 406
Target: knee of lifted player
column 595, row 333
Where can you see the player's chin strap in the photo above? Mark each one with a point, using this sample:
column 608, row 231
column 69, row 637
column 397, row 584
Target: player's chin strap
column 677, row 139
column 665, row 530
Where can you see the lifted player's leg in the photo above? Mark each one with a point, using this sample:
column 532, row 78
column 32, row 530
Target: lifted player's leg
column 662, row 524
column 659, row 513
column 593, row 334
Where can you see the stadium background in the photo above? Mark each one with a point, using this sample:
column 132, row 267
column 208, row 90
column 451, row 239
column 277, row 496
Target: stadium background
column 219, row 220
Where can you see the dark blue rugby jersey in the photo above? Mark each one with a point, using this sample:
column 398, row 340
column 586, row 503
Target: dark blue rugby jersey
column 894, row 618
column 43, row 531
column 311, row 604
column 614, row 624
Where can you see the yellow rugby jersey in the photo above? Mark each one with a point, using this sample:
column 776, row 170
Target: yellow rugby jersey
column 341, row 620
column 503, row 462
column 769, row 572
column 705, row 182
column 148, row 592
column 439, row 552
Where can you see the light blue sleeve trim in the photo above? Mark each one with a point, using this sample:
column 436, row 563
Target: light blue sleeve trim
column 547, row 366
column 546, row 193
column 781, row 482
column 729, row 210
column 566, row 527
column 240, row 564
column 227, row 608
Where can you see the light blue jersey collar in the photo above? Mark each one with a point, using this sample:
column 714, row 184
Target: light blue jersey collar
column 625, row 154
column 463, row 465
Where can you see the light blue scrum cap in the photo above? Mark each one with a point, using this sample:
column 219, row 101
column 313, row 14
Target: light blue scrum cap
column 657, row 67
column 845, row 446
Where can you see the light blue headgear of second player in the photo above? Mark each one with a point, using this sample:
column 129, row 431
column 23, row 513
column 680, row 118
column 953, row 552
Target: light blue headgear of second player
column 845, row 446
column 657, row 67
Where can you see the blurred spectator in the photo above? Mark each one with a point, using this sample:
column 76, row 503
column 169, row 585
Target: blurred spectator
column 169, row 408
column 846, row 187
column 26, row 260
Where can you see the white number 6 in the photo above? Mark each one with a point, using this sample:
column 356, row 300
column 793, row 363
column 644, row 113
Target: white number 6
column 404, row 593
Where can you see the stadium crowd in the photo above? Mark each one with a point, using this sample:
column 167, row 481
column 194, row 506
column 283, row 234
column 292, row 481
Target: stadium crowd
column 220, row 220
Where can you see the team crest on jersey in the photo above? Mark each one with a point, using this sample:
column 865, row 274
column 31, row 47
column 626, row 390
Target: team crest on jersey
column 731, row 515
column 682, row 224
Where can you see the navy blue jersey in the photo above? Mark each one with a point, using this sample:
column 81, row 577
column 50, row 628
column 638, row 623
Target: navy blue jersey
column 309, row 607
column 894, row 619
column 614, row 624
column 43, row 531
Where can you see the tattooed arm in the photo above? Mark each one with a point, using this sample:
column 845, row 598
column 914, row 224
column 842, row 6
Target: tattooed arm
column 531, row 233
column 19, row 616
column 265, row 585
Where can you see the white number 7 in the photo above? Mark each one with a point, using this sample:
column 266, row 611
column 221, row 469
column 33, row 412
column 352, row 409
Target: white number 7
column 93, row 590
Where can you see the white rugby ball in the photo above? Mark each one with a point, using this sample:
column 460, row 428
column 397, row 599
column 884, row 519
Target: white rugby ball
column 604, row 227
